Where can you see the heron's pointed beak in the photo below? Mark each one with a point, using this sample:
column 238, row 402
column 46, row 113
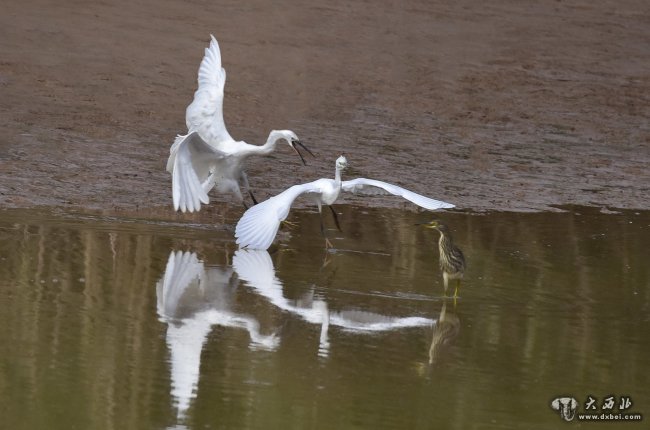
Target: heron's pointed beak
column 427, row 224
column 295, row 144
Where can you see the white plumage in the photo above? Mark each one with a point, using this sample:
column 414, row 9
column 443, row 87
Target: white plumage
column 207, row 156
column 259, row 224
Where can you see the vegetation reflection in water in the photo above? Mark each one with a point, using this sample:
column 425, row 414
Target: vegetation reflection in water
column 114, row 323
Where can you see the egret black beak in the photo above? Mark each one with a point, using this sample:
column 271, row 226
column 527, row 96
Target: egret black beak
column 295, row 144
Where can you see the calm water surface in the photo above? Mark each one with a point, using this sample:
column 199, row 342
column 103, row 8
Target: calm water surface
column 110, row 323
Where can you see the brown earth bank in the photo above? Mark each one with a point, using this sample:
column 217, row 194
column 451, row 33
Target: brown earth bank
column 506, row 105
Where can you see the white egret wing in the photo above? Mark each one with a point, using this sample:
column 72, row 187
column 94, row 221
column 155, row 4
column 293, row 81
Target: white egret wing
column 258, row 226
column 183, row 270
column 192, row 161
column 205, row 113
column 256, row 268
column 372, row 186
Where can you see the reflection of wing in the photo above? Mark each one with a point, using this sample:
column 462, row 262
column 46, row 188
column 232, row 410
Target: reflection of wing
column 259, row 225
column 369, row 321
column 191, row 300
column 183, row 269
column 185, row 342
column 191, row 162
column 256, row 268
column 371, row 186
column 205, row 113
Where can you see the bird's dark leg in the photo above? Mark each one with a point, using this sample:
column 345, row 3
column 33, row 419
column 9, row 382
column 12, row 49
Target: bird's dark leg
column 250, row 193
column 336, row 218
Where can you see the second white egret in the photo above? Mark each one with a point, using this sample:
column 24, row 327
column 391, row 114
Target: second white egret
column 259, row 224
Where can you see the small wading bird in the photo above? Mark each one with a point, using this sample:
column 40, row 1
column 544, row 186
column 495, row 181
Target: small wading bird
column 207, row 156
column 259, row 225
column 452, row 260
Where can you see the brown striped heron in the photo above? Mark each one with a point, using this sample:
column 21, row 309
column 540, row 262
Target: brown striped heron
column 452, row 260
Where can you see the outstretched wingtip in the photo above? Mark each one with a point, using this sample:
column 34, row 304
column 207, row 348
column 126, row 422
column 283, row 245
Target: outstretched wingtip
column 437, row 205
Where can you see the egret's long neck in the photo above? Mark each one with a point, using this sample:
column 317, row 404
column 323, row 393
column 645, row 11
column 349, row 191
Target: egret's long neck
column 270, row 144
column 265, row 149
column 337, row 176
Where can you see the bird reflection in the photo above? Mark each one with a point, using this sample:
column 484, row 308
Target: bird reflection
column 444, row 333
column 255, row 267
column 192, row 299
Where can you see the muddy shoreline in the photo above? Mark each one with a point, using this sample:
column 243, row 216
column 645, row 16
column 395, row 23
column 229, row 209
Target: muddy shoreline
column 511, row 106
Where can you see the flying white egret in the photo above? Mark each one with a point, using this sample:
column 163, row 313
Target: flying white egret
column 207, row 156
column 259, row 225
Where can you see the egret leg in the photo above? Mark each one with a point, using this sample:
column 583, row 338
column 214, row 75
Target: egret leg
column 336, row 218
column 237, row 193
column 328, row 244
column 244, row 180
column 250, row 193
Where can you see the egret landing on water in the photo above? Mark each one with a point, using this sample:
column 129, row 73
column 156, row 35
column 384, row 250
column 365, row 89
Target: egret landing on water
column 452, row 260
column 259, row 225
column 207, row 156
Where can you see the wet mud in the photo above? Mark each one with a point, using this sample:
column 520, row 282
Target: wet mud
column 508, row 106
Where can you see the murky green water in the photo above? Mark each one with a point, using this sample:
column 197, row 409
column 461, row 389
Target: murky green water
column 120, row 324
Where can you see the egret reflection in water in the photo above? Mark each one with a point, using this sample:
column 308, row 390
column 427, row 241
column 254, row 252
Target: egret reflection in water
column 255, row 267
column 191, row 300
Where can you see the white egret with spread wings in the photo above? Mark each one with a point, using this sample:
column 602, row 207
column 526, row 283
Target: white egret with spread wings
column 207, row 156
column 259, row 224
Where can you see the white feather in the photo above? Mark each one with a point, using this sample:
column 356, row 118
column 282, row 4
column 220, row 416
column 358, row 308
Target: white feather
column 362, row 186
column 205, row 113
column 194, row 162
column 204, row 117
column 258, row 226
